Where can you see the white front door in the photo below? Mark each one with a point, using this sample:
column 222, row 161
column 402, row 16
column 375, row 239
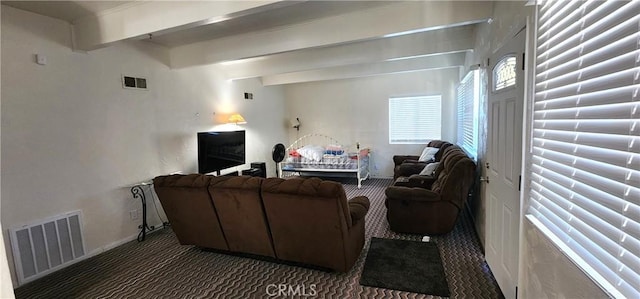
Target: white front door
column 503, row 167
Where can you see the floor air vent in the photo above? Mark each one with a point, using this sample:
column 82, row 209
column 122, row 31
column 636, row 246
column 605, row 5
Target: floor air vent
column 43, row 247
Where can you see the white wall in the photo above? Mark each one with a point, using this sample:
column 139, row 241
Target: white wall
column 74, row 139
column 357, row 110
column 548, row 273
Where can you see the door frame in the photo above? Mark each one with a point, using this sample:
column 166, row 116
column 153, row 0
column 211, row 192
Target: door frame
column 504, row 264
column 527, row 131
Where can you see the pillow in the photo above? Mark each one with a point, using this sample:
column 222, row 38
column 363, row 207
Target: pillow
column 428, row 154
column 430, row 169
column 312, row 152
column 334, row 152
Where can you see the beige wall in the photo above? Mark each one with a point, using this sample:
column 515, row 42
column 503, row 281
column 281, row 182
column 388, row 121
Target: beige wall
column 358, row 110
column 6, row 287
column 74, row 139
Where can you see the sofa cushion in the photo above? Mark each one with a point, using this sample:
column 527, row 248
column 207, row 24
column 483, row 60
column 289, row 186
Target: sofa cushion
column 239, row 205
column 311, row 222
column 182, row 180
column 188, row 206
column 443, row 146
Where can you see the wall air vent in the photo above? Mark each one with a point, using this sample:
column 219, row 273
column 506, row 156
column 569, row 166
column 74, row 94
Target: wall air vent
column 133, row 82
column 45, row 246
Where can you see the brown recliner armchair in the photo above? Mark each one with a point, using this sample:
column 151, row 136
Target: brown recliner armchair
column 432, row 205
column 406, row 165
column 187, row 204
column 313, row 223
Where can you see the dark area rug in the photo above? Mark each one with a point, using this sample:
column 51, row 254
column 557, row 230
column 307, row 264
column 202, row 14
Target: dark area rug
column 405, row 266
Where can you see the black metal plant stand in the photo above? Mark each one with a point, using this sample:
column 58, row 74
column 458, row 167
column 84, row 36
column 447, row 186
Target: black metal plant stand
column 138, row 192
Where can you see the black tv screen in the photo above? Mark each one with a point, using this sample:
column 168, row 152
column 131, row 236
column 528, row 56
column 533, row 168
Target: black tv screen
column 220, row 150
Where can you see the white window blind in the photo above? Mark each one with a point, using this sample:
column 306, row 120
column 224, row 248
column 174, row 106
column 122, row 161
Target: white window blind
column 414, row 120
column 468, row 93
column 585, row 152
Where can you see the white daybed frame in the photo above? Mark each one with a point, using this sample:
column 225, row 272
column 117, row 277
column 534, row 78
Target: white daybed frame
column 326, row 167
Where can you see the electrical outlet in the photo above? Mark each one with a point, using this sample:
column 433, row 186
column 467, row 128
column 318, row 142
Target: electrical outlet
column 133, row 214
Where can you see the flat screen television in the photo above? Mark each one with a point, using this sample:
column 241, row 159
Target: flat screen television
column 220, row 150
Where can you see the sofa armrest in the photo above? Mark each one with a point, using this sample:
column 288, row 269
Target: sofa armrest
column 421, row 181
column 399, row 159
column 412, row 194
column 414, row 161
column 358, row 208
column 407, row 169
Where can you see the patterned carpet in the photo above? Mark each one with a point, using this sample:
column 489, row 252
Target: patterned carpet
column 161, row 268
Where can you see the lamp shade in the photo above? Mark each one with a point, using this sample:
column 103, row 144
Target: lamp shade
column 237, row 119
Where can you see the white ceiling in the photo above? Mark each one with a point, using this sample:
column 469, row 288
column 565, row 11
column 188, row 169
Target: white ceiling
column 283, row 41
column 285, row 16
column 67, row 10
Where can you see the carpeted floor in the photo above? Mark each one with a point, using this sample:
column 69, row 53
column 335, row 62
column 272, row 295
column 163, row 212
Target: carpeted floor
column 161, row 268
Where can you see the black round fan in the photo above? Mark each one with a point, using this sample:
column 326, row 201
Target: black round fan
column 278, row 153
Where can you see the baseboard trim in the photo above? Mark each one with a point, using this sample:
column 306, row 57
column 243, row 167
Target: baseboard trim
column 120, row 242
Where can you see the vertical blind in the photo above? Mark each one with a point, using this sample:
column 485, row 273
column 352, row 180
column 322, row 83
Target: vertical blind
column 414, row 120
column 468, row 93
column 585, row 152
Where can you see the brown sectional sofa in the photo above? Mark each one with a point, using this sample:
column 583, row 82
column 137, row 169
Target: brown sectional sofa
column 431, row 205
column 307, row 221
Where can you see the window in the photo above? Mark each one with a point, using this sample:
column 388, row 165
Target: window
column 468, row 101
column 414, row 120
column 585, row 149
column 504, row 73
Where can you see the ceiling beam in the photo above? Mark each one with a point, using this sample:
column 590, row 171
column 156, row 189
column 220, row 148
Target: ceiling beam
column 381, row 21
column 449, row 40
column 369, row 69
column 143, row 17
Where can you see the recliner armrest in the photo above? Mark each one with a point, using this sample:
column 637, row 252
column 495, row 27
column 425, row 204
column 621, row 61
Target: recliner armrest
column 421, row 181
column 414, row 194
column 399, row 159
column 409, row 193
column 414, row 161
column 407, row 169
column 358, row 208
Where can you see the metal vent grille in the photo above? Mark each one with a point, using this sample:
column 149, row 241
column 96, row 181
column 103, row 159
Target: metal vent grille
column 45, row 246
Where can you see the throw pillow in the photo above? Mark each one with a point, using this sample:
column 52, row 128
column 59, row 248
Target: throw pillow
column 312, row 152
column 428, row 153
column 430, row 169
